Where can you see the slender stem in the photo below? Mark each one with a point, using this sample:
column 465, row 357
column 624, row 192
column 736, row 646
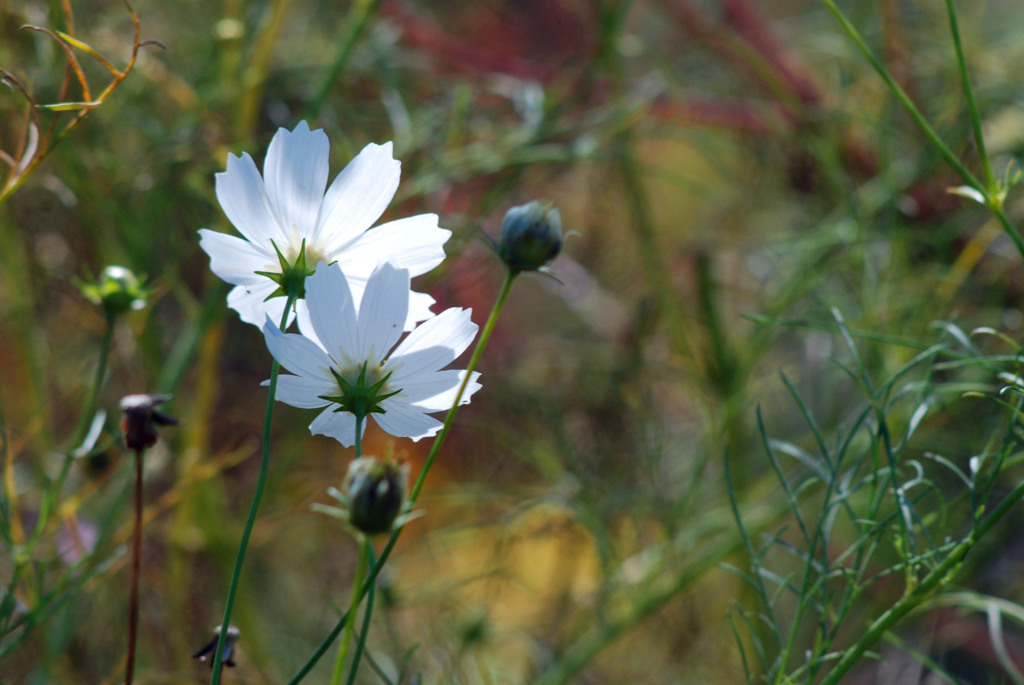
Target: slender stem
column 357, row 582
column 359, row 435
column 355, row 23
column 938, row 577
column 133, row 601
column 353, row 607
column 485, row 335
column 367, row 615
column 84, row 422
column 254, row 507
column 972, row 105
column 991, row 201
column 903, row 98
column 481, row 344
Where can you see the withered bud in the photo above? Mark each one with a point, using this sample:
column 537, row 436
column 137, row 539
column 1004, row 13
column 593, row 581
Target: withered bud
column 141, row 419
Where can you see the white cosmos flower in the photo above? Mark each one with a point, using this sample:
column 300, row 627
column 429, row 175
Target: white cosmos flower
column 288, row 205
column 343, row 333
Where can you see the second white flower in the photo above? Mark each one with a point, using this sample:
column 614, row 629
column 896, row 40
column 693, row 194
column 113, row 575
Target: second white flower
column 352, row 338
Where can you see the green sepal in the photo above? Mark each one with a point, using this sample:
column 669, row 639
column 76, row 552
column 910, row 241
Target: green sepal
column 359, row 398
column 291, row 276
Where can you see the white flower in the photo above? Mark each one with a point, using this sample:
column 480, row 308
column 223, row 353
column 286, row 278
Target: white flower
column 288, row 206
column 342, row 335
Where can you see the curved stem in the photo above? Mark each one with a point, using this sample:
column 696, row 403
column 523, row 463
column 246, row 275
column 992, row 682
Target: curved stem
column 254, row 507
column 435, row 448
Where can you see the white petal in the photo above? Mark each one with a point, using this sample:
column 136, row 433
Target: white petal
column 338, row 425
column 405, row 421
column 297, row 353
column 434, row 344
column 415, row 243
column 303, row 392
column 243, row 198
column 419, row 303
column 295, row 173
column 437, row 391
column 332, row 312
column 233, row 260
column 382, row 312
column 252, row 305
column 419, row 309
column 305, row 325
column 357, row 197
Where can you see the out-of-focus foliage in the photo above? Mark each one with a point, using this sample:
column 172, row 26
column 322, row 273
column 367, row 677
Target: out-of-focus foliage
column 731, row 172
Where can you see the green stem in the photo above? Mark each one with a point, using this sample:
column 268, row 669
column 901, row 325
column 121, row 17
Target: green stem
column 257, row 495
column 903, row 98
column 481, row 344
column 357, row 582
column 358, row 17
column 85, row 420
column 938, row 577
column 991, row 201
column 359, row 435
column 449, row 419
column 972, row 105
column 81, row 430
column 367, row 615
column 353, row 607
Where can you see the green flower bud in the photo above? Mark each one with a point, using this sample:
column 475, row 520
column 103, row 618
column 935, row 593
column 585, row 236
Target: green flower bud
column 117, row 290
column 375, row 491
column 531, row 236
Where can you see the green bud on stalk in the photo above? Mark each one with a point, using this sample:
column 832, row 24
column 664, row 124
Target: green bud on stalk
column 531, row 236
column 375, row 492
column 117, row 290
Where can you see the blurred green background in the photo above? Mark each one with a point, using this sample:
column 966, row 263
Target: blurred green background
column 732, row 170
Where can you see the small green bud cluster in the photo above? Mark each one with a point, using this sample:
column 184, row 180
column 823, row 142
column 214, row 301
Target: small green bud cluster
column 117, row 290
column 531, row 236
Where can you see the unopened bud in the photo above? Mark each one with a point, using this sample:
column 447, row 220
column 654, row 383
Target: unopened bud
column 375, row 491
column 117, row 290
column 531, row 236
